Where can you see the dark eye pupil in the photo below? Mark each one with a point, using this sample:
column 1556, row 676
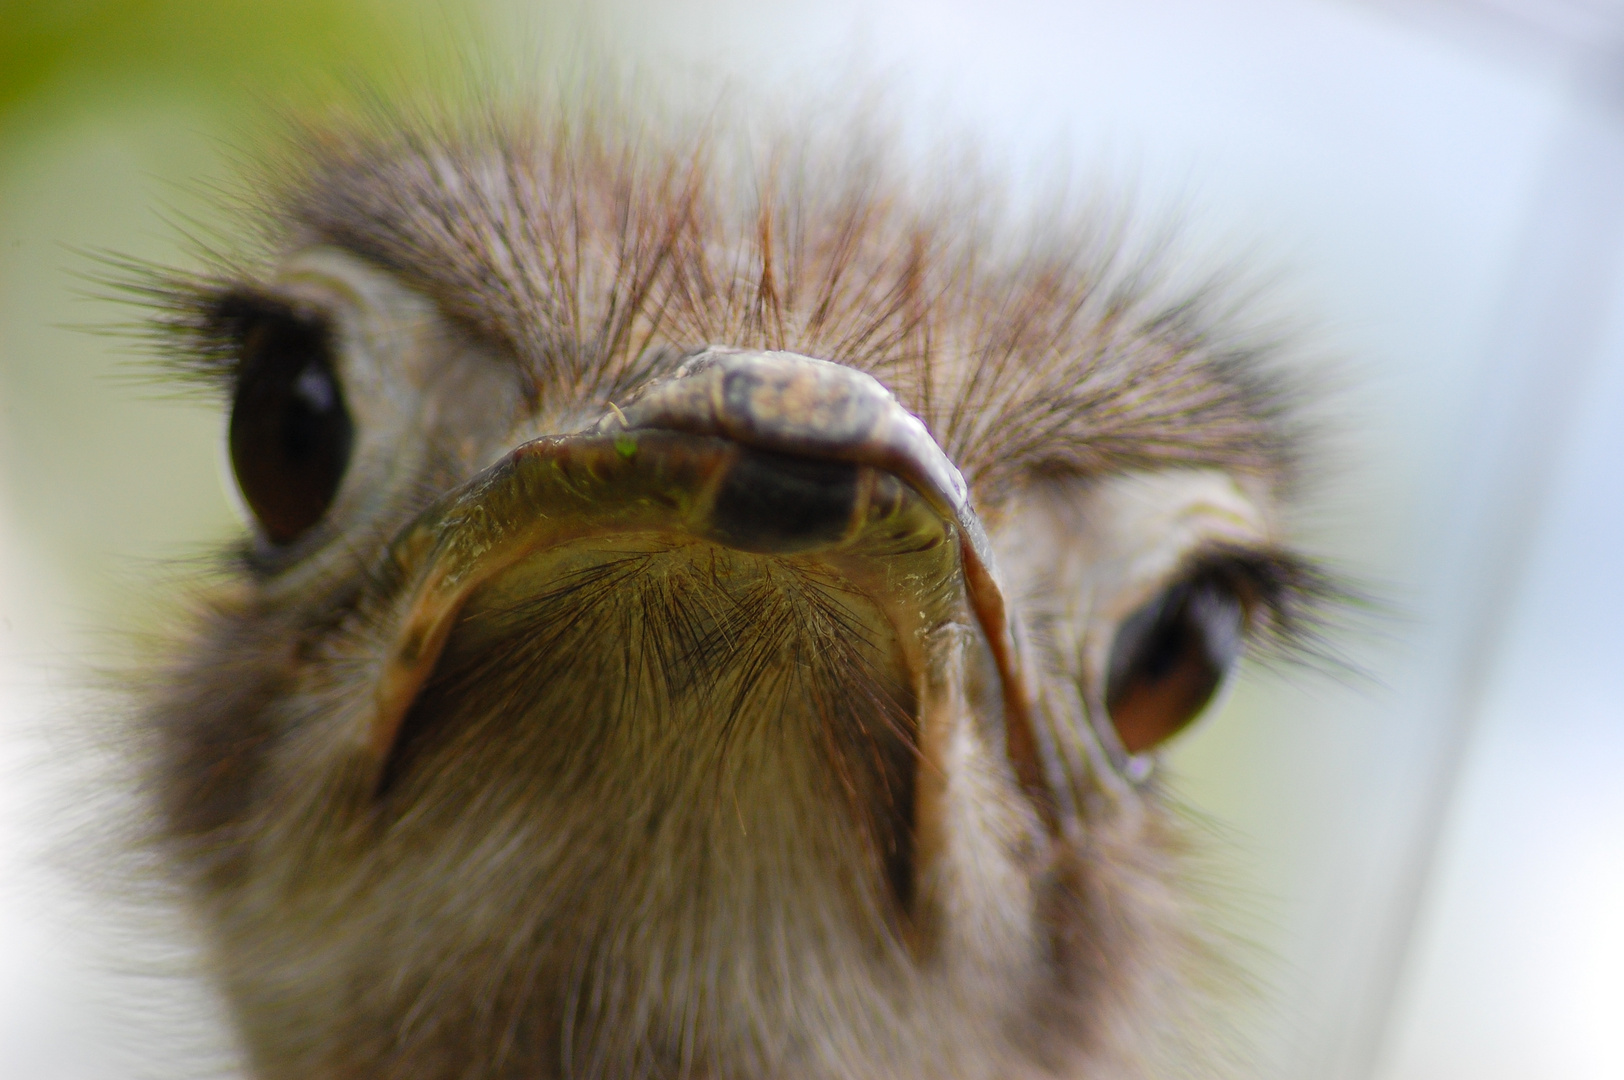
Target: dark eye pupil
column 1168, row 659
column 290, row 432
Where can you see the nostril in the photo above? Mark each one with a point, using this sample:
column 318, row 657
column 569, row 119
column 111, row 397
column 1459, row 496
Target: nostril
column 774, row 504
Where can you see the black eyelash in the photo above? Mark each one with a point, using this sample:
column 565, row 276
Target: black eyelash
column 194, row 323
column 1293, row 603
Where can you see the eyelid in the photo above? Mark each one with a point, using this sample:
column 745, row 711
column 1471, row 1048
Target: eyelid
column 1288, row 597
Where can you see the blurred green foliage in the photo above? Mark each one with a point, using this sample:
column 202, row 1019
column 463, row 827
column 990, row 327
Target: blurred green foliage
column 117, row 122
column 212, row 47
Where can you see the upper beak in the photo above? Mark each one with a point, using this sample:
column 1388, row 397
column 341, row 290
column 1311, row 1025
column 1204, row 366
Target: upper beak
column 772, row 453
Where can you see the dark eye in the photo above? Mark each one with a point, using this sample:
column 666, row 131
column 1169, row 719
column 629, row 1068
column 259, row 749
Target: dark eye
column 1169, row 657
column 290, row 432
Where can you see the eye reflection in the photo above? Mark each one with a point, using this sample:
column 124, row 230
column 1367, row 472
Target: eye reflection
column 290, row 433
column 1168, row 659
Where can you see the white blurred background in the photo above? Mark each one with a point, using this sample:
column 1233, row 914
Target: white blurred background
column 1429, row 857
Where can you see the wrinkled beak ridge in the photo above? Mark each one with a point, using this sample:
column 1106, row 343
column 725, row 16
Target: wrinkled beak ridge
column 769, row 453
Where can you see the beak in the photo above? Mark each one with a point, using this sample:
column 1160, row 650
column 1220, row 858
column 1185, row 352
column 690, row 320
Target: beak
column 774, row 454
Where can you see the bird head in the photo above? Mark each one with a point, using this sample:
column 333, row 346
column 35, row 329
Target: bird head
column 702, row 620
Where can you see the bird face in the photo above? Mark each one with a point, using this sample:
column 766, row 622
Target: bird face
column 693, row 629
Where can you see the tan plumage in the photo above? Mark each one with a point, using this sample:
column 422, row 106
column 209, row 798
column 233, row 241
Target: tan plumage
column 671, row 802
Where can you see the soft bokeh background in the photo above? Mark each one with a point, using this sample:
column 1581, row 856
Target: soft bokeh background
column 1429, row 857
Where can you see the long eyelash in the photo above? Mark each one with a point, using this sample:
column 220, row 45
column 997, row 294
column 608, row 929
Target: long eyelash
column 193, row 323
column 1294, row 604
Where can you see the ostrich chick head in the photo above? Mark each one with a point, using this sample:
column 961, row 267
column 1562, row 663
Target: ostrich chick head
column 702, row 619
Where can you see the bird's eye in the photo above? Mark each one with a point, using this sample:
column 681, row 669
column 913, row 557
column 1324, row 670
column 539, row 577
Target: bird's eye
column 290, row 432
column 1168, row 659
